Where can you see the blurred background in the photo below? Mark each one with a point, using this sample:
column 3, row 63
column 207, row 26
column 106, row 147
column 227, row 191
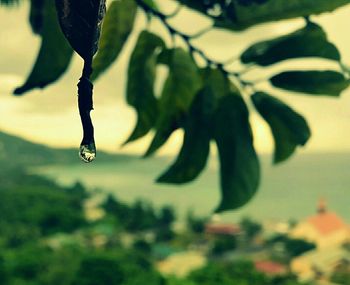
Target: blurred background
column 65, row 222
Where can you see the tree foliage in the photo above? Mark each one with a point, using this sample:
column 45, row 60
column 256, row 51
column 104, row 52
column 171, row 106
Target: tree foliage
column 208, row 101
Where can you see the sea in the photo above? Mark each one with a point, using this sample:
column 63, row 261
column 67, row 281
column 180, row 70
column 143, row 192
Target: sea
column 289, row 191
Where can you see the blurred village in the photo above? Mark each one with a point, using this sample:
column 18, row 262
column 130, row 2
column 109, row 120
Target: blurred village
column 68, row 235
column 315, row 250
column 51, row 234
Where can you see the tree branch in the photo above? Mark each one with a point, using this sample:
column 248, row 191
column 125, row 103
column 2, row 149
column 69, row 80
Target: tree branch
column 188, row 38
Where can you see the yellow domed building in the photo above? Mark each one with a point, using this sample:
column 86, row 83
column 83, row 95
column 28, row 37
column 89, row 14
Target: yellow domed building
column 329, row 232
column 325, row 228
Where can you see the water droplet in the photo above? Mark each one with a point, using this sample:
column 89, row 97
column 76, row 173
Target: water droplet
column 87, row 152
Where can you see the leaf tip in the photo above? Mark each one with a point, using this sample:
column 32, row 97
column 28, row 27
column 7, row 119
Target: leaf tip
column 167, row 178
column 19, row 91
column 221, row 208
column 148, row 153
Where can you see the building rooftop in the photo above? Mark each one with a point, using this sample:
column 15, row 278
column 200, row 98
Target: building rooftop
column 325, row 221
column 222, row 229
column 270, row 267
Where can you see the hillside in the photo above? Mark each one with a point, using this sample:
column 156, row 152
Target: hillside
column 15, row 151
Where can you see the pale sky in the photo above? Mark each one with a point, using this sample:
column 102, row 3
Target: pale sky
column 50, row 116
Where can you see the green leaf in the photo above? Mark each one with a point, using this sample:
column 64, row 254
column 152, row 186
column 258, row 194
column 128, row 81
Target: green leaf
column 239, row 165
column 54, row 56
column 116, row 28
column 179, row 90
column 36, row 15
column 140, row 85
column 310, row 41
column 81, row 24
column 217, row 81
column 195, row 149
column 198, row 126
column 237, row 16
column 328, row 82
column 165, row 56
column 289, row 128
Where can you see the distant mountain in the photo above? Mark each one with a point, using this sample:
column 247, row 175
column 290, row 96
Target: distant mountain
column 15, row 151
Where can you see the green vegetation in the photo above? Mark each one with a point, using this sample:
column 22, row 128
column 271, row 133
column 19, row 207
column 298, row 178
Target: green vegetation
column 45, row 239
column 342, row 275
column 195, row 224
column 292, row 247
column 141, row 216
column 125, row 268
column 224, row 244
column 32, row 207
column 250, row 228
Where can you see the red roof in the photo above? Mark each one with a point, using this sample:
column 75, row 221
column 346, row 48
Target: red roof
column 223, row 229
column 327, row 223
column 270, row 267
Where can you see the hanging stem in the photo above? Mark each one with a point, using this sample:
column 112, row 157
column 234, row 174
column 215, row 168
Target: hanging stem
column 85, row 103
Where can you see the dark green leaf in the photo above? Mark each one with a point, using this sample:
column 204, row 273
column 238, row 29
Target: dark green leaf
column 198, row 126
column 165, row 56
column 195, row 149
column 328, row 82
column 289, row 128
column 239, row 165
column 140, row 85
column 310, row 41
column 237, row 16
column 36, row 15
column 179, row 90
column 217, row 81
column 116, row 28
column 81, row 24
column 54, row 56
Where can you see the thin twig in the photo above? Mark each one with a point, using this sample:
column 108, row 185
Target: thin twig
column 192, row 48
